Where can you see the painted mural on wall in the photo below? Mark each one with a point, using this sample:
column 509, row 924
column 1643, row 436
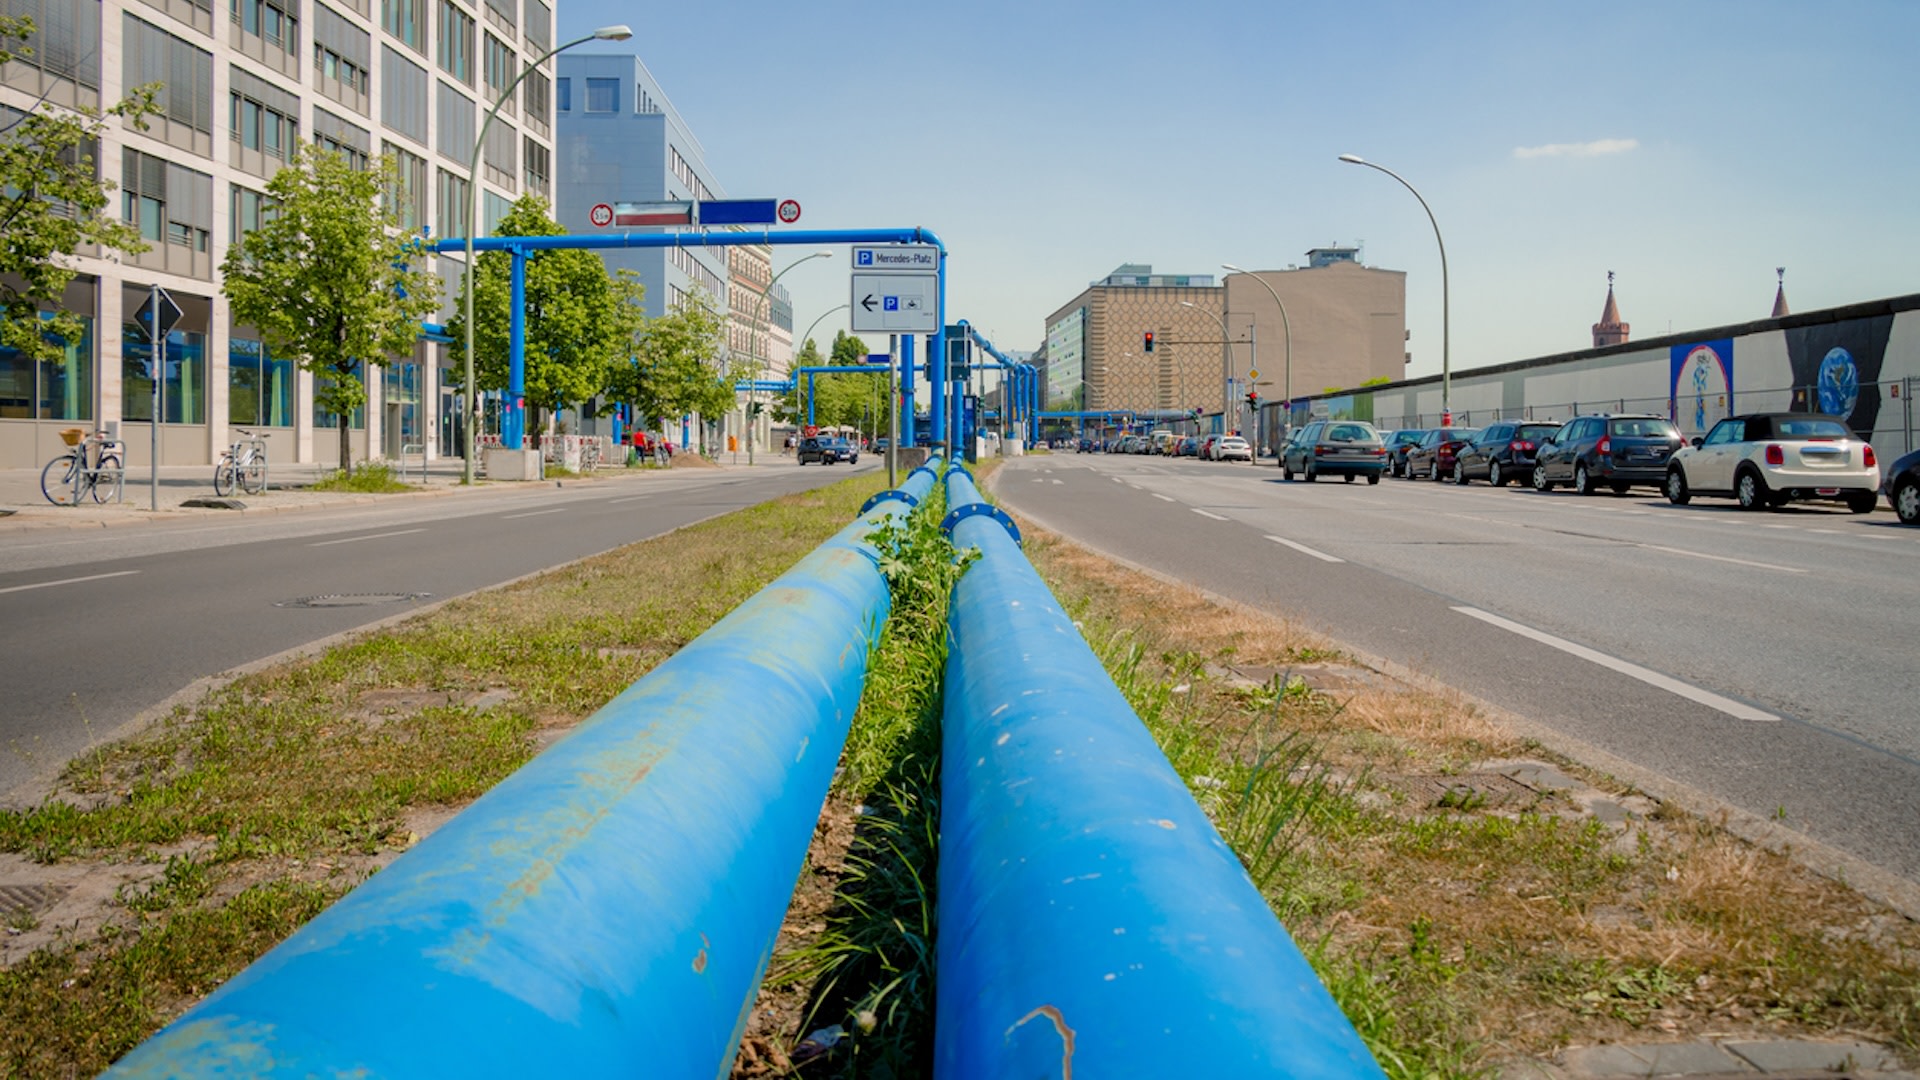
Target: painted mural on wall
column 1836, row 369
column 1702, row 383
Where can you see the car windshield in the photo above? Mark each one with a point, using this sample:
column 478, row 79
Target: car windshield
column 1350, row 433
column 1535, row 431
column 1810, row 429
column 1642, row 429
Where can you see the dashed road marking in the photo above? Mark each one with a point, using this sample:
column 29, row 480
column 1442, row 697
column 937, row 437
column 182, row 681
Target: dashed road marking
column 375, row 536
column 67, row 581
column 1305, row 550
column 1208, row 514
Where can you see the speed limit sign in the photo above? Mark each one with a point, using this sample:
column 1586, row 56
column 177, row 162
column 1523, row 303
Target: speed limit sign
column 601, row 215
column 789, row 211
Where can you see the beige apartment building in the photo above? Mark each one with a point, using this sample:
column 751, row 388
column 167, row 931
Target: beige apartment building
column 1348, row 320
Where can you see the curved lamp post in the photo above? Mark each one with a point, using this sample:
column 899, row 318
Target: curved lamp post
column 766, row 335
column 605, row 33
column 808, row 336
column 1286, row 424
column 1226, row 360
column 1446, row 365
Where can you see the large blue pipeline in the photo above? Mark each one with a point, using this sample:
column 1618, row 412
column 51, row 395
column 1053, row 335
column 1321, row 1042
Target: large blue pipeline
column 607, row 910
column 1092, row 921
column 1023, row 397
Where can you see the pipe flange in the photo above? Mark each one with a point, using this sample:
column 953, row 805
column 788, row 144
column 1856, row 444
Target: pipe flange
column 976, row 509
column 890, row 495
column 931, row 475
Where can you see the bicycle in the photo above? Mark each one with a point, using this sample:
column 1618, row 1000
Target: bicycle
column 93, row 467
column 244, row 463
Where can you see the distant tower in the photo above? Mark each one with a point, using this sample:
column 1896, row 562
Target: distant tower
column 1610, row 330
column 1780, row 294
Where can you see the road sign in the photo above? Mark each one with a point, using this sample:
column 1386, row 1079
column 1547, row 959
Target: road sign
column 788, row 211
column 737, row 212
column 1253, row 373
column 649, row 213
column 601, row 215
column 158, row 315
column 896, row 258
column 895, row 303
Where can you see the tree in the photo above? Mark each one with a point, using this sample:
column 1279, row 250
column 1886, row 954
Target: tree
column 328, row 277
column 671, row 371
column 50, row 203
column 577, row 323
column 791, row 407
column 855, row 399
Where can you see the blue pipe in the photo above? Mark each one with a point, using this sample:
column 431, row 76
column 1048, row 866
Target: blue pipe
column 607, row 910
column 1091, row 919
column 513, row 425
column 909, row 430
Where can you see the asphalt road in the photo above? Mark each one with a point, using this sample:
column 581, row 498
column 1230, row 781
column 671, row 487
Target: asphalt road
column 101, row 624
column 1766, row 660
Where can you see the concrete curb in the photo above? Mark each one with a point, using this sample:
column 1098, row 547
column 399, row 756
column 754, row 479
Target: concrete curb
column 1730, row 1057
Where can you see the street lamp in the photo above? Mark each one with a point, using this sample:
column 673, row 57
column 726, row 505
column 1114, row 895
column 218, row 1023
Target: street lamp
column 1286, row 425
column 1446, row 364
column 605, row 33
column 766, row 335
column 1226, row 360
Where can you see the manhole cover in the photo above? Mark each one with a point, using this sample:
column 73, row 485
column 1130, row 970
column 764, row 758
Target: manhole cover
column 332, row 600
column 18, row 900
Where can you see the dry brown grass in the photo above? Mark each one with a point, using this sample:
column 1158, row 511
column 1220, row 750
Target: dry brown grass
column 1472, row 933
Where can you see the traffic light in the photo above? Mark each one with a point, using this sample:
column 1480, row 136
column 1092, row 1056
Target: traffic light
column 1148, row 343
column 1253, row 398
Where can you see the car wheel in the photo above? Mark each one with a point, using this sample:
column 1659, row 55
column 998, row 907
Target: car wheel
column 1582, row 480
column 1311, row 474
column 1906, row 501
column 1862, row 502
column 1751, row 491
column 1347, row 478
column 1540, row 482
column 1433, row 471
column 1373, row 478
column 1459, row 473
column 1494, row 476
column 1676, row 487
column 1286, row 470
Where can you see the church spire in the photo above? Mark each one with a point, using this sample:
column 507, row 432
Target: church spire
column 1780, row 294
column 1609, row 330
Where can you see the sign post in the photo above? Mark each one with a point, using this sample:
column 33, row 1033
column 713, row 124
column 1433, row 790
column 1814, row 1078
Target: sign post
column 157, row 317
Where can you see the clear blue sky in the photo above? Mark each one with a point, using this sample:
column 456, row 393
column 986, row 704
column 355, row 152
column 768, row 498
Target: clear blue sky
column 1691, row 147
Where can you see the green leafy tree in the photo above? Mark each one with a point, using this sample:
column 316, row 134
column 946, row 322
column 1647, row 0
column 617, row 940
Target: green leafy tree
column 673, row 370
column 329, row 278
column 855, row 399
column 51, row 200
column 578, row 324
column 791, row 407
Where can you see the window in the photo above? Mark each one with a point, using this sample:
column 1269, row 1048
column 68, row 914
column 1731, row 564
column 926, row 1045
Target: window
column 456, row 42
column 454, row 111
column 538, row 92
column 342, row 59
column 539, row 22
column 539, row 167
column 450, row 218
column 59, row 389
column 563, row 94
column 323, row 420
column 247, row 211
column 501, row 14
column 65, row 43
column 169, row 204
column 332, row 133
column 259, row 385
column 403, row 98
column 183, row 385
column 500, row 71
column 406, row 20
column 603, row 95
column 264, row 123
column 409, row 202
column 273, row 24
column 495, row 211
column 498, row 155
column 184, row 72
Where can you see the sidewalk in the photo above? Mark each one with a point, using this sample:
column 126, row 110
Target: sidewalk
column 1726, row 1058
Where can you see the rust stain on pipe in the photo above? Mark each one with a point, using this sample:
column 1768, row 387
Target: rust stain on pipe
column 1060, row 1027
column 700, row 958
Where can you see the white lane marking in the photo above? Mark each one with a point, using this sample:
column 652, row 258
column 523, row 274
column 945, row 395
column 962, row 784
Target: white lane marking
column 67, row 581
column 1652, row 678
column 1164, row 498
column 1039, row 479
column 357, row 539
column 1779, row 526
column 1721, row 558
column 1207, row 514
column 1827, row 532
column 1059, row 481
column 535, row 513
column 1305, row 550
column 628, row 499
column 1117, row 480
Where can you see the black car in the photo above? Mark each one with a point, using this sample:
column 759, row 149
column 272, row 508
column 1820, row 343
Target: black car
column 1902, row 487
column 1504, row 451
column 1618, row 450
column 826, row 450
column 1432, row 457
column 1398, row 443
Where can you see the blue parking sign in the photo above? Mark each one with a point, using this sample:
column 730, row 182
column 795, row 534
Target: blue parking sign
column 890, row 303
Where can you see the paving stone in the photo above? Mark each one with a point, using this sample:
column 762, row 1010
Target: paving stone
column 1652, row 1060
column 1802, row 1055
column 1593, row 1061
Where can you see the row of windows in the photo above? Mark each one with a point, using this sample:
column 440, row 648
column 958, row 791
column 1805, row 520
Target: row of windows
column 683, row 172
column 683, row 261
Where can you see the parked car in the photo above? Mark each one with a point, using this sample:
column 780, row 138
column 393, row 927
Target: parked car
column 1619, row 450
column 1398, row 443
column 1347, row 448
column 1504, row 451
column 1770, row 459
column 1902, row 488
column 1189, row 446
column 826, row 450
column 1432, row 457
column 1233, row 448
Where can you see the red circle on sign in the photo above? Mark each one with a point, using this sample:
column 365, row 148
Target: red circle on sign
column 789, row 211
column 601, row 215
